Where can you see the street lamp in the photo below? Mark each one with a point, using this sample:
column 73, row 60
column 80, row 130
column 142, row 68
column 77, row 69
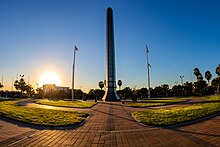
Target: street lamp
column 181, row 77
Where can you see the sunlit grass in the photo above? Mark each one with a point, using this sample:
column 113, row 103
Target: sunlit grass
column 40, row 116
column 165, row 117
column 214, row 98
column 61, row 103
column 154, row 102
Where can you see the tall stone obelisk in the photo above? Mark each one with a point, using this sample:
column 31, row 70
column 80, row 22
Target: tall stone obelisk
column 110, row 93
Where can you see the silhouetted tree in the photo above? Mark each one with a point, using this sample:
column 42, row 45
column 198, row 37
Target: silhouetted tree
column 177, row 90
column 216, row 83
column 200, row 77
column 20, row 85
column 217, row 70
column 159, row 91
column 1, row 85
column 119, row 84
column 208, row 76
column 39, row 92
column 197, row 72
column 142, row 93
column 96, row 94
column 165, row 90
column 125, row 93
column 101, row 84
column 200, row 86
column 188, row 87
column 30, row 90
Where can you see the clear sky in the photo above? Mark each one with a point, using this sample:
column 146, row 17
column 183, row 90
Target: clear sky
column 37, row 36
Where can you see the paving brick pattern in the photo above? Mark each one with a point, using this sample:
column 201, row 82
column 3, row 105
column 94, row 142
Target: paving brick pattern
column 111, row 124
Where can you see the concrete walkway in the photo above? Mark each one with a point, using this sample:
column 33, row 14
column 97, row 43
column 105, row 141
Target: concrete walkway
column 111, row 124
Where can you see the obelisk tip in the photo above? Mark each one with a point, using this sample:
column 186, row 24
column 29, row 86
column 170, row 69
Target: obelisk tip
column 109, row 9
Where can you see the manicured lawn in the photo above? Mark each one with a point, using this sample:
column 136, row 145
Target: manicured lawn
column 39, row 116
column 154, row 102
column 214, row 98
column 60, row 103
column 165, row 117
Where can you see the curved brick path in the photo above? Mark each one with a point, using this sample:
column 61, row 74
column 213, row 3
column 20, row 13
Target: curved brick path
column 111, row 124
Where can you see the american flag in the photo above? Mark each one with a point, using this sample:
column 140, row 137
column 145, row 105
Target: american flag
column 147, row 49
column 76, row 49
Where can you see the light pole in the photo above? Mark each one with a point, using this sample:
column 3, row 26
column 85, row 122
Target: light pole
column 74, row 60
column 181, row 77
column 148, row 71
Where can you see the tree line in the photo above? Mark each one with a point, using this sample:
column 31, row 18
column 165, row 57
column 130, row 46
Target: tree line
column 200, row 87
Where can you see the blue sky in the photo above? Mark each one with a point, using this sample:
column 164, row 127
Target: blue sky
column 38, row 36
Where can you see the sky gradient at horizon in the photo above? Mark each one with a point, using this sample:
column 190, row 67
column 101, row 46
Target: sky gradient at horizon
column 39, row 36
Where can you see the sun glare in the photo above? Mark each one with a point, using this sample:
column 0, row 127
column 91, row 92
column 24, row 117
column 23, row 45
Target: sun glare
column 49, row 78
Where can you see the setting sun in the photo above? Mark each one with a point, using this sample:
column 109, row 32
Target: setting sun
column 49, row 78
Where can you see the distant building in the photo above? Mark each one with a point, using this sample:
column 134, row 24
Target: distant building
column 62, row 88
column 51, row 87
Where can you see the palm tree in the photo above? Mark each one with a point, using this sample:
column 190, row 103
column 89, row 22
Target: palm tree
column 208, row 76
column 216, row 83
column 101, row 84
column 218, row 70
column 197, row 72
column 200, row 77
column 119, row 84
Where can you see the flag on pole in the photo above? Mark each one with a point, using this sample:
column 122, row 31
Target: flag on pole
column 147, row 49
column 76, row 49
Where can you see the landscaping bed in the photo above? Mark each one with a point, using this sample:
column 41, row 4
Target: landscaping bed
column 38, row 116
column 165, row 117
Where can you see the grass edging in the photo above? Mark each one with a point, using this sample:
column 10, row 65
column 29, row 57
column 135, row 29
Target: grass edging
column 67, row 104
column 153, row 104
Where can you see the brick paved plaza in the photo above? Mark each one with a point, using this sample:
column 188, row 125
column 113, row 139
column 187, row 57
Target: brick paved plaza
column 111, row 124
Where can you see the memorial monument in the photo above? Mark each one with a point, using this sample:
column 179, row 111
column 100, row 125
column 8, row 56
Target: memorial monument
column 110, row 93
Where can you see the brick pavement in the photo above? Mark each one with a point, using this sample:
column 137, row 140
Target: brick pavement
column 111, row 124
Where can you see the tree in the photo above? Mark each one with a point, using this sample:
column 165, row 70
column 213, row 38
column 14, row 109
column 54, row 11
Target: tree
column 159, row 91
column 217, row 70
column 96, row 93
column 30, row 90
column 165, row 90
column 142, row 93
column 1, row 86
column 20, row 85
column 40, row 92
column 197, row 72
column 200, row 87
column 177, row 90
column 101, row 84
column 208, row 76
column 188, row 87
column 125, row 93
column 119, row 84
column 216, row 83
column 200, row 77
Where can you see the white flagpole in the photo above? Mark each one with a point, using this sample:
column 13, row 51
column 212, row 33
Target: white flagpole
column 74, row 55
column 148, row 72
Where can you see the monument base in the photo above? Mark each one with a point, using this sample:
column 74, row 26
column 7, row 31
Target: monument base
column 111, row 97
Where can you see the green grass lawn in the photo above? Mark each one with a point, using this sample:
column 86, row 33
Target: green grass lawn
column 40, row 116
column 70, row 104
column 155, row 102
column 165, row 117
